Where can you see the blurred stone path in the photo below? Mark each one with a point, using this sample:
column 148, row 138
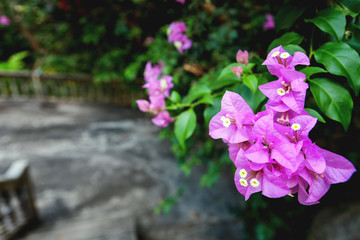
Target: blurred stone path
column 99, row 172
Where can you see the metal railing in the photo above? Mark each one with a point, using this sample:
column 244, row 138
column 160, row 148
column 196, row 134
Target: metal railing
column 17, row 202
column 67, row 87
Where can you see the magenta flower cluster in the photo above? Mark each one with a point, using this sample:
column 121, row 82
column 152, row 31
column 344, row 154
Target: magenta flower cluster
column 181, row 1
column 269, row 24
column 158, row 86
column 176, row 35
column 271, row 149
column 4, row 20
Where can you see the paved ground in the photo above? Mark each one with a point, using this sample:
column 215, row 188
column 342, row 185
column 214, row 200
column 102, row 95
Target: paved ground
column 99, row 171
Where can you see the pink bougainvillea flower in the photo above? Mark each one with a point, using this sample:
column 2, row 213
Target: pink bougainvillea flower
column 338, row 169
column 153, row 72
column 238, row 70
column 160, row 87
column 176, row 35
column 269, row 23
column 279, row 59
column 270, row 180
column 296, row 128
column 271, row 150
column 4, row 20
column 247, row 181
column 242, row 57
column 175, row 29
column 182, row 42
column 314, row 185
column 270, row 144
column 233, row 121
column 143, row 105
column 274, row 181
column 162, row 119
column 181, row 1
column 289, row 89
column 156, row 104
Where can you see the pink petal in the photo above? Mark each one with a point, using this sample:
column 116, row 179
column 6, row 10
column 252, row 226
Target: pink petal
column 317, row 189
column 162, row 119
column 338, row 168
column 143, row 105
column 257, row 154
column 299, row 58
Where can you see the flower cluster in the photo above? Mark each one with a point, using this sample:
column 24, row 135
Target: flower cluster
column 4, row 20
column 158, row 86
column 241, row 57
column 176, row 35
column 271, row 149
column 269, row 24
column 181, row 1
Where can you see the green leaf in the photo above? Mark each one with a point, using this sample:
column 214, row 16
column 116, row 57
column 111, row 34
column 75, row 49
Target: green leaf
column 354, row 6
column 175, row 97
column 185, row 125
column 291, row 48
column 331, row 21
column 224, row 82
column 341, row 59
column 206, row 99
column 210, row 111
column 309, row 71
column 197, row 91
column 286, row 16
column 226, row 73
column 333, row 100
column 226, row 77
column 253, row 99
column 286, row 39
column 251, row 82
column 315, row 114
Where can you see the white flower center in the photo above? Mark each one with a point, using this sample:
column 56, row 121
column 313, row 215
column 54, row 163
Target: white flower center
column 163, row 84
column 243, row 173
column 295, row 126
column 280, row 91
column 284, row 55
column 275, row 54
column 243, row 182
column 226, row 121
column 178, row 44
column 254, row 182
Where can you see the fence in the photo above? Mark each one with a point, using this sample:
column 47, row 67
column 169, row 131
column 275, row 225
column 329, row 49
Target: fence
column 67, row 87
column 17, row 206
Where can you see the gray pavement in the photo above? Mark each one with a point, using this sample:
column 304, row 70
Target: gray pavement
column 99, row 172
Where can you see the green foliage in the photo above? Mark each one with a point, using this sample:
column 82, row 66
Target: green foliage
column 292, row 38
column 341, row 59
column 251, row 82
column 315, row 114
column 15, row 61
column 331, row 21
column 287, row 15
column 333, row 100
column 166, row 204
column 309, row 71
column 185, row 125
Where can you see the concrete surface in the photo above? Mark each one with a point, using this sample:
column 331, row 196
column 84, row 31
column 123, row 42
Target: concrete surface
column 99, row 172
